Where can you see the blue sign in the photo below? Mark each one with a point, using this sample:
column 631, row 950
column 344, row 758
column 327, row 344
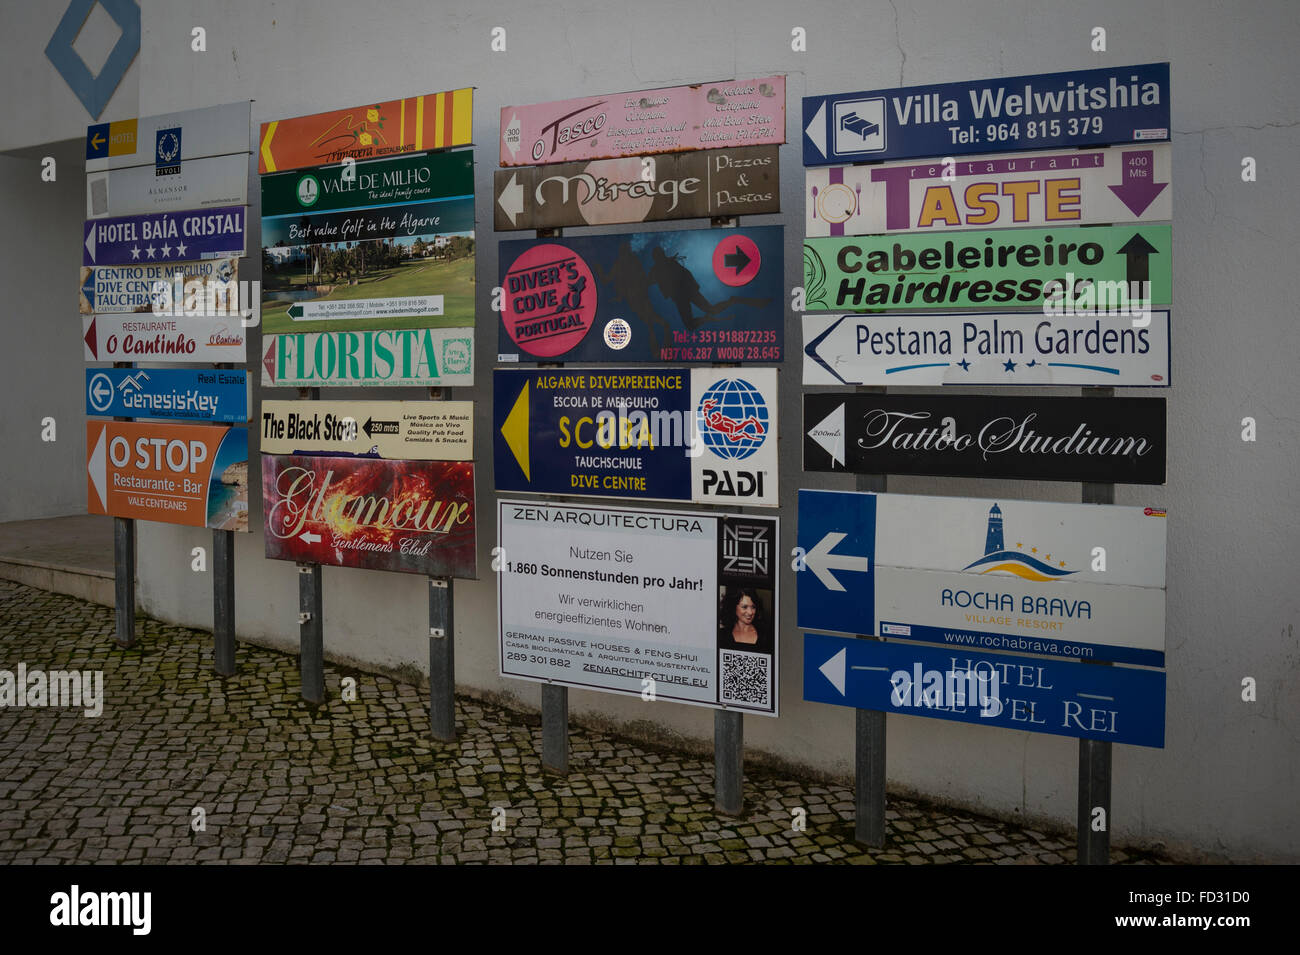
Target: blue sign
column 1058, row 697
column 1122, row 104
column 991, row 575
column 686, row 295
column 157, row 238
column 218, row 395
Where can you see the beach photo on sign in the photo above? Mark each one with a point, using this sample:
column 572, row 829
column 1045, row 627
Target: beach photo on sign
column 228, row 487
column 422, row 281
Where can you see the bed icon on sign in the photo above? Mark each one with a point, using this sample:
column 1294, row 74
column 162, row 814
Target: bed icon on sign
column 860, row 125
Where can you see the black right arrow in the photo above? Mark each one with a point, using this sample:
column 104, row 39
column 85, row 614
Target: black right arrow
column 738, row 260
column 1136, row 251
column 373, row 427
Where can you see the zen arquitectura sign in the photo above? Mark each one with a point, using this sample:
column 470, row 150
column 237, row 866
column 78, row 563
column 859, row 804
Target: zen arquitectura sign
column 683, row 605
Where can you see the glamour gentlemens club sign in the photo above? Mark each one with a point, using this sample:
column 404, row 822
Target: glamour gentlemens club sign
column 1121, row 440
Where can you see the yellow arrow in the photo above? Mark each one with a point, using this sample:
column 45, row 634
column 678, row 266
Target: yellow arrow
column 96, row 140
column 267, row 158
column 515, row 431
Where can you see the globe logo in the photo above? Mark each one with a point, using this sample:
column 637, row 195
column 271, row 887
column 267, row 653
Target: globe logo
column 732, row 419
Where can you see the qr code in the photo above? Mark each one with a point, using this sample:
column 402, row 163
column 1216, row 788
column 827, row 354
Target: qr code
column 746, row 678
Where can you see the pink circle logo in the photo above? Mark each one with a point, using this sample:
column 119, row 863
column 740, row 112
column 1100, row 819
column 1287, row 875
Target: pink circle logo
column 550, row 302
column 736, row 260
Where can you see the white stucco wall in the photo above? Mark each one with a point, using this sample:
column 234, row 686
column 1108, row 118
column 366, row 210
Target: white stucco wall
column 1225, row 783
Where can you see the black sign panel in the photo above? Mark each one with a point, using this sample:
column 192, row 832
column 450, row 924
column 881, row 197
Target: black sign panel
column 1115, row 440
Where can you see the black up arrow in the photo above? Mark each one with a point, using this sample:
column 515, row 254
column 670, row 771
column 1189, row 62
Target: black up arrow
column 738, row 260
column 1136, row 251
column 373, row 427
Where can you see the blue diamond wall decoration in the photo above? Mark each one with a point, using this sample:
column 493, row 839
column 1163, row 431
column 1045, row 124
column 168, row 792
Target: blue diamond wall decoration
column 95, row 91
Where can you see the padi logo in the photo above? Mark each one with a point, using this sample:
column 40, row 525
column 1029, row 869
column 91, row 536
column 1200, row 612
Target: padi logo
column 732, row 420
column 74, row 907
column 167, row 152
column 308, row 190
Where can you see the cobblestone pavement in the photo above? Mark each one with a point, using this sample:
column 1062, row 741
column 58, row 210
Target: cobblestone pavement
column 281, row 781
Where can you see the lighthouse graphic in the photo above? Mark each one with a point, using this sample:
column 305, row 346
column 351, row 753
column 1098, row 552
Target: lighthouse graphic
column 993, row 542
column 998, row 559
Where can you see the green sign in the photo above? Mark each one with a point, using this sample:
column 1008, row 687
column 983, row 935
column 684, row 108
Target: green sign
column 401, row 180
column 1110, row 269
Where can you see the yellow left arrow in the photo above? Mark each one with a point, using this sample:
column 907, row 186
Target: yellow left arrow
column 515, row 431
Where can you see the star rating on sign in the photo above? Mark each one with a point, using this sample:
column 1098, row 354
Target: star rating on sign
column 180, row 250
column 149, row 251
column 166, row 250
column 135, row 252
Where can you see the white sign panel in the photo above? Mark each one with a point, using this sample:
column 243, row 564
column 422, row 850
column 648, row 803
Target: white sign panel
column 1015, row 348
column 169, row 139
column 196, row 184
column 665, row 605
column 1006, row 190
column 150, row 338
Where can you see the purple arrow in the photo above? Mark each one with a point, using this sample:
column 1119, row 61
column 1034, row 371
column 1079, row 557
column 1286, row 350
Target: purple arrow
column 1139, row 188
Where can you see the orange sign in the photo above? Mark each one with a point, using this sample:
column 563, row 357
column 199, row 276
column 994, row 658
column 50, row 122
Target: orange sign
column 433, row 121
column 196, row 475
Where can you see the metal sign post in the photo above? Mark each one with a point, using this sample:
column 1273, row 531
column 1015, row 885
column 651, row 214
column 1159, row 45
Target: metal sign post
column 555, row 699
column 442, row 661
column 124, row 566
column 442, row 645
column 1094, row 755
column 869, row 734
column 311, row 631
column 728, row 725
column 223, row 597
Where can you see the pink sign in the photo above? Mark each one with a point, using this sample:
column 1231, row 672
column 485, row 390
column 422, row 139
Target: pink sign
column 550, row 300
column 674, row 119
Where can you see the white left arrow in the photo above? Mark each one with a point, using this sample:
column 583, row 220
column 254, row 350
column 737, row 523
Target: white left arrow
column 833, row 670
column 90, row 242
column 99, row 388
column 309, row 537
column 816, row 130
column 511, row 200
column 821, row 561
